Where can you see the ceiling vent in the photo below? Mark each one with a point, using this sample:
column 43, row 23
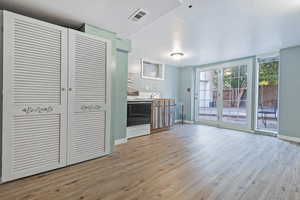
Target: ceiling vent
column 138, row 15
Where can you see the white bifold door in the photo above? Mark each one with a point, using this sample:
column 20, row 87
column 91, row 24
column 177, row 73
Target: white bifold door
column 56, row 97
column 34, row 98
column 88, row 97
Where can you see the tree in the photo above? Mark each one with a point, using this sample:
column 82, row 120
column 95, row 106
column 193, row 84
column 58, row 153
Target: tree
column 268, row 79
column 268, row 73
column 235, row 79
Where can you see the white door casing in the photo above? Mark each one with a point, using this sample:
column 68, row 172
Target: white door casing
column 220, row 67
column 34, row 99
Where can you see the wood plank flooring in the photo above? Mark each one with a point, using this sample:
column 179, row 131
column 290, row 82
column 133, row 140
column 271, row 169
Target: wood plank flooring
column 190, row 162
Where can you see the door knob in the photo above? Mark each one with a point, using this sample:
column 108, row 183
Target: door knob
column 70, row 89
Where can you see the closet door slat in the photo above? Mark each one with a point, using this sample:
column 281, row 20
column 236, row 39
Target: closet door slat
column 89, row 97
column 34, row 104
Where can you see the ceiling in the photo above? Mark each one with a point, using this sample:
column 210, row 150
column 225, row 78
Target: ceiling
column 108, row 14
column 214, row 30
column 210, row 31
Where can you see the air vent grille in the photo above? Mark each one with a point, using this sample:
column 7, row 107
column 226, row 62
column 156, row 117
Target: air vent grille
column 138, row 15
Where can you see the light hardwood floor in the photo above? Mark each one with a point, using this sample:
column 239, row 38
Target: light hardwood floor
column 189, row 162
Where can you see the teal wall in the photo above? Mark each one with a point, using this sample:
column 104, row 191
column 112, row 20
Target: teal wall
column 121, row 80
column 289, row 95
column 186, row 79
column 120, row 49
column 167, row 87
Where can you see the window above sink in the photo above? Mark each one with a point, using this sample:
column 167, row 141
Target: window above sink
column 152, row 70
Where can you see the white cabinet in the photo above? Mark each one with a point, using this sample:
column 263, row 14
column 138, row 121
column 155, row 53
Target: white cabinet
column 89, row 96
column 34, row 104
column 56, row 89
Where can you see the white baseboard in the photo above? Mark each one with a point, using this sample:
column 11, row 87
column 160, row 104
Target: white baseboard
column 289, row 138
column 121, row 141
column 185, row 121
column 139, row 130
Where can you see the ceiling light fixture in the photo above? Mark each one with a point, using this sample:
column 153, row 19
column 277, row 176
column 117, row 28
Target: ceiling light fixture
column 177, row 55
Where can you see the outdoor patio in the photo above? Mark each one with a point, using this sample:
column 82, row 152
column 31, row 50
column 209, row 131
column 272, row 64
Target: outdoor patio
column 266, row 121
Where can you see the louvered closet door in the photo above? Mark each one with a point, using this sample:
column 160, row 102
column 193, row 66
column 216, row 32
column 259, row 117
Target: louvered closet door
column 89, row 112
column 34, row 101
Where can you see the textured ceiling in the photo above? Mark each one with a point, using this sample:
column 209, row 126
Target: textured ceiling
column 214, row 30
column 108, row 14
column 210, row 31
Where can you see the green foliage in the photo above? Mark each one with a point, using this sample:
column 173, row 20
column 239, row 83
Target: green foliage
column 268, row 73
column 235, row 77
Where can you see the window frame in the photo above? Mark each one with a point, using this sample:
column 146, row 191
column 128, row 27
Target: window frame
column 257, row 67
column 161, row 66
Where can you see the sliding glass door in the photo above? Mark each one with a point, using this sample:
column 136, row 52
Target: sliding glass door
column 222, row 94
column 235, row 101
column 208, row 95
column 267, row 94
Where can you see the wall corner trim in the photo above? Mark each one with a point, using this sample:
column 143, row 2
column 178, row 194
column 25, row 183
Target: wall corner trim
column 289, row 138
column 121, row 141
column 185, row 121
column 123, row 44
